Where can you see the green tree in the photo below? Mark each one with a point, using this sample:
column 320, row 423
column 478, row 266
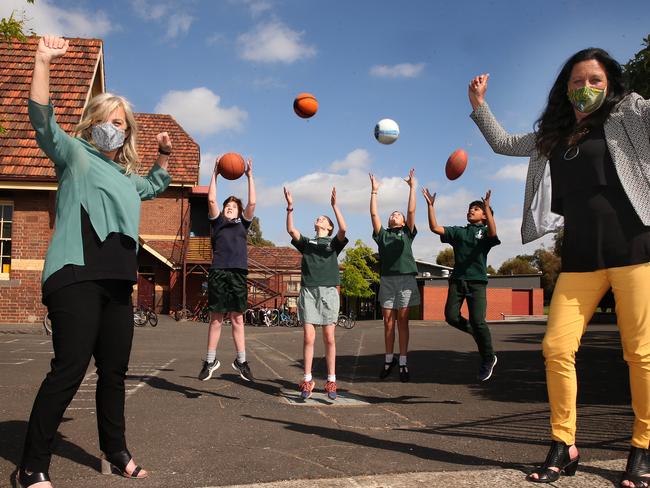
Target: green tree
column 358, row 274
column 637, row 70
column 255, row 235
column 446, row 257
column 550, row 265
column 491, row 270
column 522, row 264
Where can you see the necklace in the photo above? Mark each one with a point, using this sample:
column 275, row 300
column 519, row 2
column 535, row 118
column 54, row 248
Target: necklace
column 574, row 140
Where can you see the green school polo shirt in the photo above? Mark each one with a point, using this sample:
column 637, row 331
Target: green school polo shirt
column 471, row 246
column 395, row 252
column 89, row 179
column 319, row 266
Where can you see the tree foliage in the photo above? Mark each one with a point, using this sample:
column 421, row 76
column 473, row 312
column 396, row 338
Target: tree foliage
column 637, row 70
column 550, row 265
column 446, row 257
column 358, row 274
column 522, row 264
column 255, row 235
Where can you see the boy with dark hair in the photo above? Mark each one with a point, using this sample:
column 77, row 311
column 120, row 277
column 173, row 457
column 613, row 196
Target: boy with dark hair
column 468, row 280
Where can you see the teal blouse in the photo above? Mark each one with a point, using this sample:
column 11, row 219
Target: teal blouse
column 88, row 178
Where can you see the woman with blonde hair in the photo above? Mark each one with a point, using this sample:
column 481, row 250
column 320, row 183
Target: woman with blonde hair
column 90, row 266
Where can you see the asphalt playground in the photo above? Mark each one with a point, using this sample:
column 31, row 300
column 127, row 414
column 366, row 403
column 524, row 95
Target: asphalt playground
column 440, row 429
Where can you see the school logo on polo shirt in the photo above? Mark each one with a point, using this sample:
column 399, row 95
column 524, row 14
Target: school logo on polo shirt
column 479, row 234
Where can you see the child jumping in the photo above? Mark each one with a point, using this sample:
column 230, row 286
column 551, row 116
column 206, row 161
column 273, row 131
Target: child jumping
column 468, row 280
column 227, row 288
column 318, row 303
column 398, row 288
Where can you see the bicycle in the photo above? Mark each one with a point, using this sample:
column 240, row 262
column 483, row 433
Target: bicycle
column 47, row 324
column 288, row 319
column 142, row 315
column 346, row 321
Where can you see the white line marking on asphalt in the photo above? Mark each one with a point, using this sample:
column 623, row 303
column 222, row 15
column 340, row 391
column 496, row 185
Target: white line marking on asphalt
column 9, row 342
column 356, row 358
column 278, row 375
column 140, row 384
column 19, row 361
column 276, row 350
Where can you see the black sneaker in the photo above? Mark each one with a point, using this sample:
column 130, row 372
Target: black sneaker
column 388, row 367
column 485, row 371
column 243, row 369
column 404, row 375
column 208, row 369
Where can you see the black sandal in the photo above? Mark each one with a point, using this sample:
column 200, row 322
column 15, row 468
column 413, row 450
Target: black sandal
column 27, row 480
column 557, row 457
column 637, row 466
column 119, row 461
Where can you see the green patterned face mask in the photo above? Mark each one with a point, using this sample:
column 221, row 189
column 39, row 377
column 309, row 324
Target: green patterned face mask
column 587, row 99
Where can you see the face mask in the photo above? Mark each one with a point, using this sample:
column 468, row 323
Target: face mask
column 587, row 99
column 107, row 137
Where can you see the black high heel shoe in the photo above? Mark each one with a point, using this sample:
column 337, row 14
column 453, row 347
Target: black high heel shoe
column 25, row 480
column 557, row 457
column 637, row 465
column 119, row 461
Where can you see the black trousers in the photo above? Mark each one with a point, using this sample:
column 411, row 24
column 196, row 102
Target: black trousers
column 89, row 319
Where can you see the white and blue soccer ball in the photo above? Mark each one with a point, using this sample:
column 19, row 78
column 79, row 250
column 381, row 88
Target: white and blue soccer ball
column 386, row 131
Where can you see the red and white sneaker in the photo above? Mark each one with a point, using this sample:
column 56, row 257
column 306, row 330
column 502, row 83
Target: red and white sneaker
column 306, row 387
column 330, row 389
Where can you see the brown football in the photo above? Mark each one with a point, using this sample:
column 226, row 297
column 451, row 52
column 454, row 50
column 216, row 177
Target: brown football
column 456, row 164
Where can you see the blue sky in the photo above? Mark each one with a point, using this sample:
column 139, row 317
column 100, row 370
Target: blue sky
column 228, row 71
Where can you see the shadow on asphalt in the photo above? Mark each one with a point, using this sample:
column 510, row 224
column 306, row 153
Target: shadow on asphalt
column 161, row 383
column 12, row 438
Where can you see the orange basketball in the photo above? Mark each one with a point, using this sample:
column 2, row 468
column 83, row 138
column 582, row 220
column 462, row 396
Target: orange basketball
column 456, row 164
column 231, row 166
column 305, row 105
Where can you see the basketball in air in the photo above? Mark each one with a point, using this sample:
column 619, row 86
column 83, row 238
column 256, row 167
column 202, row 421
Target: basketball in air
column 231, row 166
column 305, row 105
column 386, row 131
column 456, row 164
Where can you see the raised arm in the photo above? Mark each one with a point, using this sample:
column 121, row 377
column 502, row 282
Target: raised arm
column 496, row 136
column 410, row 211
column 491, row 224
column 293, row 232
column 213, row 205
column 339, row 217
column 49, row 48
column 431, row 212
column 249, row 211
column 374, row 216
column 164, row 149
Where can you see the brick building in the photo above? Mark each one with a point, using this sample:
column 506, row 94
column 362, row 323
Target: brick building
column 28, row 184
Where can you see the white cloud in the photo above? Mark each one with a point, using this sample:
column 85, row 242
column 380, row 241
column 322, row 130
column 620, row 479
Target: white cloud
column 272, row 42
column 199, row 111
column 45, row 18
column 402, row 70
column 256, row 7
column 512, row 172
column 358, row 159
column 178, row 22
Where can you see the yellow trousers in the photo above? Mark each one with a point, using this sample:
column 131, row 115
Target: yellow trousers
column 574, row 301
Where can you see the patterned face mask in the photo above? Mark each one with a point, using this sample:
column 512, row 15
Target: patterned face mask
column 107, row 137
column 587, row 99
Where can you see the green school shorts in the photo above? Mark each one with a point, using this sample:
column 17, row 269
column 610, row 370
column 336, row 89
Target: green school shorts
column 227, row 290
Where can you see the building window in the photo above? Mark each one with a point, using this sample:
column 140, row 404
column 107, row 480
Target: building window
column 293, row 286
column 6, row 219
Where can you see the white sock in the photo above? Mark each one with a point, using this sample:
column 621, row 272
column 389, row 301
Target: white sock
column 241, row 356
column 308, row 377
column 389, row 358
column 402, row 360
column 331, row 377
column 211, row 356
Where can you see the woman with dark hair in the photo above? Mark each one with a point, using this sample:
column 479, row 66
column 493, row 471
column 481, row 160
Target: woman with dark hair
column 589, row 169
column 227, row 288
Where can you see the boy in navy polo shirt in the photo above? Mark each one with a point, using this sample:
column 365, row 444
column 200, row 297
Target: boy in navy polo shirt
column 468, row 280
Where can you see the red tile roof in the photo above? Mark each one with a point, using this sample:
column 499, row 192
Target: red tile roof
column 186, row 157
column 276, row 258
column 71, row 81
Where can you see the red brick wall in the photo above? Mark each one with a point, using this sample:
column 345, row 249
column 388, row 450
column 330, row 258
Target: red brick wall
column 162, row 215
column 20, row 297
column 499, row 301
